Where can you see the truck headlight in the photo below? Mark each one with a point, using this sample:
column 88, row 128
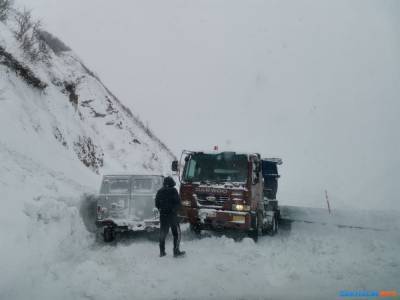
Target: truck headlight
column 240, row 207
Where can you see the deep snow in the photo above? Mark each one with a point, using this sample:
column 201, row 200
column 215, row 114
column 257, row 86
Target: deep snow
column 310, row 261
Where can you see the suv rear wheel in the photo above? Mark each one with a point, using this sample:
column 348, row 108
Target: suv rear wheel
column 109, row 234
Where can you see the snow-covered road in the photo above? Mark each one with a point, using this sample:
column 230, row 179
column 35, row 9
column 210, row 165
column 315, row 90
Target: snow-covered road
column 310, row 261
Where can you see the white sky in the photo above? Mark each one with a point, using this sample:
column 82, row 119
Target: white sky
column 314, row 82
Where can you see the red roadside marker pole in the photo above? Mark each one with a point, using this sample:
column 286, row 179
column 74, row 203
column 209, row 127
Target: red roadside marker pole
column 327, row 201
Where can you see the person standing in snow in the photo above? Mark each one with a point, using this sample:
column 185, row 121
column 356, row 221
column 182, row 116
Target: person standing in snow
column 168, row 203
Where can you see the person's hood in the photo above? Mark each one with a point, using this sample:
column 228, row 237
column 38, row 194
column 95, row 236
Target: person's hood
column 169, row 182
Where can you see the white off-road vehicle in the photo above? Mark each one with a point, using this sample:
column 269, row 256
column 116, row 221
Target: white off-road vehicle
column 126, row 203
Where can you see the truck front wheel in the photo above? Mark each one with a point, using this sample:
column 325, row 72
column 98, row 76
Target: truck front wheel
column 195, row 229
column 256, row 231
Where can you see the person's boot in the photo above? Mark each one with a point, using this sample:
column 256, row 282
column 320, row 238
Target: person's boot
column 178, row 253
column 162, row 249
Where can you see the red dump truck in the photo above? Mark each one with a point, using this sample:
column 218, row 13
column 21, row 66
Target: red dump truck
column 225, row 190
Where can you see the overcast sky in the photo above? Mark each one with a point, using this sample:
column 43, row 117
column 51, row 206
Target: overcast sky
column 314, row 82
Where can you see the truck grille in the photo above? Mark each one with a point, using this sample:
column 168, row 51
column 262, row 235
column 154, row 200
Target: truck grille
column 212, row 200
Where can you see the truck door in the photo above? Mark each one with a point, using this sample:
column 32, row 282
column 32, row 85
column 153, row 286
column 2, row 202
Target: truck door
column 270, row 174
column 257, row 191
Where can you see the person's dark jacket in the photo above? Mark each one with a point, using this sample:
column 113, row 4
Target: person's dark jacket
column 168, row 201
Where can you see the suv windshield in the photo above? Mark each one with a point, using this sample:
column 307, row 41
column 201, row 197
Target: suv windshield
column 142, row 184
column 226, row 166
column 115, row 186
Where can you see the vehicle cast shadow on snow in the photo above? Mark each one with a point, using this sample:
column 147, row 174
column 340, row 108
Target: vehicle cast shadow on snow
column 87, row 211
column 130, row 237
column 189, row 235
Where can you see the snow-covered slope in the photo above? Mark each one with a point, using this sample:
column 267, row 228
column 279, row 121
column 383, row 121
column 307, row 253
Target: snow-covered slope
column 75, row 111
column 60, row 130
column 58, row 120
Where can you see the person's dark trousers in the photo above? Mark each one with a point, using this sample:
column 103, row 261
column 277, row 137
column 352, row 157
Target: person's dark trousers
column 167, row 221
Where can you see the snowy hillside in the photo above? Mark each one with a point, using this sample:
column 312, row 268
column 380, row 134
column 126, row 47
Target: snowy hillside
column 59, row 118
column 60, row 129
column 74, row 110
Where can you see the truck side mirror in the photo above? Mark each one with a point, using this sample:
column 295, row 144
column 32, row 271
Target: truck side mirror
column 174, row 166
column 256, row 172
column 256, row 178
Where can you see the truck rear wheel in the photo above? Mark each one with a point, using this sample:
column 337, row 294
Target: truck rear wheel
column 274, row 226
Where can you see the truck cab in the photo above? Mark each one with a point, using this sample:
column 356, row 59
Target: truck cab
column 224, row 191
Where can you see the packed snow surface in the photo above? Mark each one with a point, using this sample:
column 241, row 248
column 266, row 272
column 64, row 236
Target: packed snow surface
column 57, row 258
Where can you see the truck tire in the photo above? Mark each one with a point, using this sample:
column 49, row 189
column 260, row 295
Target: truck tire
column 109, row 234
column 274, row 226
column 195, row 229
column 257, row 228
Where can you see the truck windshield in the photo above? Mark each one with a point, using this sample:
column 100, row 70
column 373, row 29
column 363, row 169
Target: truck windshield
column 219, row 167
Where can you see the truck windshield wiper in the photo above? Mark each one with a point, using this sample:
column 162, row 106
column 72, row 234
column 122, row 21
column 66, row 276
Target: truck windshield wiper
column 224, row 180
column 209, row 181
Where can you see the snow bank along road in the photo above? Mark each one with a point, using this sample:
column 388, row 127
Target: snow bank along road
column 59, row 259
